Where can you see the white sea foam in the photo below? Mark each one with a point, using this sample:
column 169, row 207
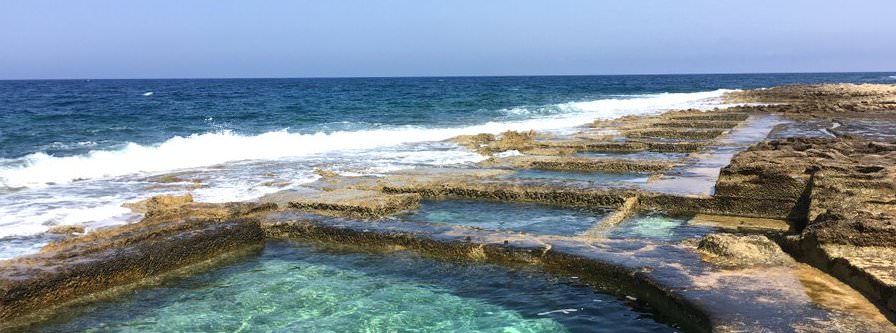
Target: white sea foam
column 40, row 169
column 148, row 93
column 36, row 217
column 509, row 153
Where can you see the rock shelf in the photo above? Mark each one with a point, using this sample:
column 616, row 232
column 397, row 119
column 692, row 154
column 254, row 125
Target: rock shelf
column 782, row 216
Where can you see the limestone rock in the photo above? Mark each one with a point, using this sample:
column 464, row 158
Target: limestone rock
column 742, row 250
column 66, row 229
column 159, row 203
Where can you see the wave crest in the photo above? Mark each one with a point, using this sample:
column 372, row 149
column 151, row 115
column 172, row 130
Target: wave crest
column 208, row 149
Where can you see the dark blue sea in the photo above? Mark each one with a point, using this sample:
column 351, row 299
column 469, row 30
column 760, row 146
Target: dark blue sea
column 71, row 151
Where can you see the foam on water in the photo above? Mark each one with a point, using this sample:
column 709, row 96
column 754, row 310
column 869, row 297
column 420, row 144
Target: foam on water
column 39, row 169
column 39, row 191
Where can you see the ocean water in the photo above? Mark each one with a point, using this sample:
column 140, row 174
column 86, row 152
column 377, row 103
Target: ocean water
column 294, row 288
column 72, row 151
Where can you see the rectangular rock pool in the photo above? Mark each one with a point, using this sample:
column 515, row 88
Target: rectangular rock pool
column 290, row 287
column 507, row 216
column 656, row 226
column 610, row 179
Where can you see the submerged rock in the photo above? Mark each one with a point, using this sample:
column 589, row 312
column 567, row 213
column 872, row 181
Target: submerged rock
column 742, row 250
column 325, row 173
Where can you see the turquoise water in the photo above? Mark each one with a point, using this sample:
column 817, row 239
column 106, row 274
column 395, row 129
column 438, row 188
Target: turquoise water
column 523, row 217
column 295, row 288
column 72, row 151
column 656, row 226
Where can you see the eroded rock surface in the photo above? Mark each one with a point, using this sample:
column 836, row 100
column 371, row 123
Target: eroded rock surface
column 742, row 250
column 170, row 238
column 821, row 98
column 836, row 188
column 842, row 182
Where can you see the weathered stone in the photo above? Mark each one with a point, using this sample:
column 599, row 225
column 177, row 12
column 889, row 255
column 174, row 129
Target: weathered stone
column 869, row 269
column 822, row 98
column 676, row 133
column 569, row 163
column 355, row 203
column 507, row 191
column 742, row 251
column 66, row 229
column 159, row 204
column 741, row 224
column 837, row 191
column 488, row 144
column 694, row 123
column 67, row 270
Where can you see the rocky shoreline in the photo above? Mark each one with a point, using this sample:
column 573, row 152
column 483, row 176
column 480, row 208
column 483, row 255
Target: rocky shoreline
column 800, row 176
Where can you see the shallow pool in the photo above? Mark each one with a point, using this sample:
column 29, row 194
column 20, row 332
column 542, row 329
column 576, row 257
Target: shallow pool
column 297, row 288
column 656, row 226
column 513, row 216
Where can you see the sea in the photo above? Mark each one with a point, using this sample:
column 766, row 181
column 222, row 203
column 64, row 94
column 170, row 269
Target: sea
column 72, row 151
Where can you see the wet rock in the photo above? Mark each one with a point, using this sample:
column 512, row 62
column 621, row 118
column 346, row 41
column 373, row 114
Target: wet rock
column 159, row 204
column 474, row 142
column 839, row 187
column 66, row 229
column 488, row 144
column 742, row 250
column 869, row 269
column 628, row 146
column 624, row 211
column 512, row 191
column 355, row 203
column 700, row 124
column 716, row 115
column 741, row 224
column 847, row 209
column 676, row 133
column 569, row 163
column 325, row 173
column 70, row 269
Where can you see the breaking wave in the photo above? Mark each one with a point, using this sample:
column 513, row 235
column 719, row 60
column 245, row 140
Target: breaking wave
column 199, row 150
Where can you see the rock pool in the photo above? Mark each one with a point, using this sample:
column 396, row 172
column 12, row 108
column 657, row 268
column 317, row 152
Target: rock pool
column 290, row 287
column 511, row 216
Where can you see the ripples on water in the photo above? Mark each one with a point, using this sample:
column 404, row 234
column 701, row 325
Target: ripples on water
column 512, row 216
column 72, row 151
column 294, row 288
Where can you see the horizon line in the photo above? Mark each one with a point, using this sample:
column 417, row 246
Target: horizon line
column 434, row 76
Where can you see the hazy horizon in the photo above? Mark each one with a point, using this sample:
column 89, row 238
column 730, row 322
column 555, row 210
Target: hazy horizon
column 424, row 76
column 280, row 39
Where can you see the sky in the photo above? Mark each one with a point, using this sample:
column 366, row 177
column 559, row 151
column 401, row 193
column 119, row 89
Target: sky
column 282, row 38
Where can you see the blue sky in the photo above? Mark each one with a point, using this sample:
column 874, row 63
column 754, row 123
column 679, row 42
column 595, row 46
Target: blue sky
column 276, row 38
